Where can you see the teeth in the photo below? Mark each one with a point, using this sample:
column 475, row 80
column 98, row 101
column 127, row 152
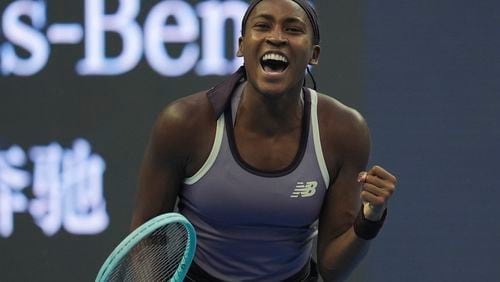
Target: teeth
column 274, row 57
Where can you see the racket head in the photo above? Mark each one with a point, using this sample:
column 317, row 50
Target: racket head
column 114, row 261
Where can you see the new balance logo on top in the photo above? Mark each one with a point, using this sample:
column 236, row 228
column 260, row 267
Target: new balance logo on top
column 304, row 190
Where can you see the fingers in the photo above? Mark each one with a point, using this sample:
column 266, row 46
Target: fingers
column 378, row 186
column 381, row 173
column 374, row 195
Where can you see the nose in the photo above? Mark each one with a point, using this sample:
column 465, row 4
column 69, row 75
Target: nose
column 276, row 38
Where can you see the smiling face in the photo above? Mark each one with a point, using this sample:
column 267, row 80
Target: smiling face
column 277, row 47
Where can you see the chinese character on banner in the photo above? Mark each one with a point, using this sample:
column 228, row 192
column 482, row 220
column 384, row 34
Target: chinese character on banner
column 12, row 181
column 47, row 207
column 82, row 182
column 67, row 185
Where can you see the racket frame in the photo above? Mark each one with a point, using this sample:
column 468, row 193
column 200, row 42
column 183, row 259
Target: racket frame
column 141, row 232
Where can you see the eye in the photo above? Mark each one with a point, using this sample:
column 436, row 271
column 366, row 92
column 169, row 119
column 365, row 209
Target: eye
column 294, row 29
column 261, row 26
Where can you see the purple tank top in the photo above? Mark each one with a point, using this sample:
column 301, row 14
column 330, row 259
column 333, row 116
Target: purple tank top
column 254, row 225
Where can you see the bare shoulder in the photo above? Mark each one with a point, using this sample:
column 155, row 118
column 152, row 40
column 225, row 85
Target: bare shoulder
column 334, row 115
column 343, row 130
column 186, row 111
column 185, row 116
column 184, row 127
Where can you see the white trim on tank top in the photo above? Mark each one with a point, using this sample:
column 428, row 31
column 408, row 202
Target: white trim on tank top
column 317, row 139
column 218, row 141
column 219, row 133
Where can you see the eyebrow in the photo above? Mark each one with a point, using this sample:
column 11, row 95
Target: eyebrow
column 287, row 20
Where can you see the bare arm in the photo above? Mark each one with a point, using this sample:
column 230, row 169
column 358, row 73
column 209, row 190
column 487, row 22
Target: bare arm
column 340, row 249
column 173, row 152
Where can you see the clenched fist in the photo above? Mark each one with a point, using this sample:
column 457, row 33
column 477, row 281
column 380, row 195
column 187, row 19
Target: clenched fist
column 378, row 185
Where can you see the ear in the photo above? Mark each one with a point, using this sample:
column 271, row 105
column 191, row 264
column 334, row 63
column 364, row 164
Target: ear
column 315, row 55
column 239, row 53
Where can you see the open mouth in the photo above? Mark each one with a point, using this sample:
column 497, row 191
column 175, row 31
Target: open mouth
column 273, row 62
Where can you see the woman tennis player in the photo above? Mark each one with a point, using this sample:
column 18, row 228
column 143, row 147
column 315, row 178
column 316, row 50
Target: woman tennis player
column 257, row 160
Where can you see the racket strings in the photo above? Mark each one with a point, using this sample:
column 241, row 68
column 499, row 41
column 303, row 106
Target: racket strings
column 156, row 257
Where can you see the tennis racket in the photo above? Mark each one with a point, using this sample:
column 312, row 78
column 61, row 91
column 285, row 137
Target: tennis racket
column 161, row 249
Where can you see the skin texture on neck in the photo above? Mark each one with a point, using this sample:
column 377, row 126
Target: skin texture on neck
column 270, row 115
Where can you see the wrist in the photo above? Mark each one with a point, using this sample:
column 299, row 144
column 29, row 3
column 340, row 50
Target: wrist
column 373, row 213
column 367, row 229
